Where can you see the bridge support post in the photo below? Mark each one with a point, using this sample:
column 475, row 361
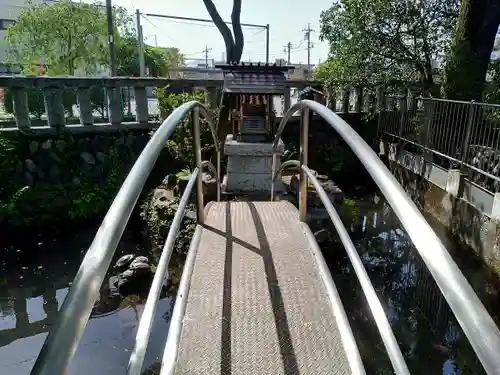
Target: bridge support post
column 304, row 147
column 287, row 101
column 454, row 182
column 213, row 95
column 141, row 105
column 332, row 100
column 346, row 93
column 114, row 110
column 54, row 106
column 495, row 207
column 21, row 110
column 381, row 99
column 359, row 99
column 85, row 104
column 197, row 152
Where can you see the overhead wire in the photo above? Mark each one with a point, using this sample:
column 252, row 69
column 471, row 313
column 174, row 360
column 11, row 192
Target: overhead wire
column 147, row 19
column 247, row 42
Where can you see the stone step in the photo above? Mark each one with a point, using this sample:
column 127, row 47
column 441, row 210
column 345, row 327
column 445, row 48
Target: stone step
column 233, row 147
column 251, row 164
column 244, row 183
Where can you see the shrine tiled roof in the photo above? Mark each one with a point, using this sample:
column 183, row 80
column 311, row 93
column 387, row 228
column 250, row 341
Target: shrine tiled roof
column 254, row 79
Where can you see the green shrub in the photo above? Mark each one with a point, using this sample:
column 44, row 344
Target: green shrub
column 349, row 211
column 181, row 142
column 47, row 203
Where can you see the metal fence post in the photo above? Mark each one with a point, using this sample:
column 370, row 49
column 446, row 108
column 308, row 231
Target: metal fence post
column 470, row 121
column 427, row 129
column 403, row 108
column 304, row 147
column 197, row 153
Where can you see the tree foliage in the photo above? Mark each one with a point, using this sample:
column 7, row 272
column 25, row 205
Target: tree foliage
column 72, row 37
column 159, row 61
column 66, row 36
column 386, row 40
column 181, row 142
column 234, row 47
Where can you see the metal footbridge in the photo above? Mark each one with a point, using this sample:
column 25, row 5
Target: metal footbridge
column 256, row 296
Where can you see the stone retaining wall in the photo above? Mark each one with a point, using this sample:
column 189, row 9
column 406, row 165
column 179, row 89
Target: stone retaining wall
column 65, row 157
column 468, row 224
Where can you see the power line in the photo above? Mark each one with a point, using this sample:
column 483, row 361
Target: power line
column 152, row 24
column 202, row 20
column 191, row 20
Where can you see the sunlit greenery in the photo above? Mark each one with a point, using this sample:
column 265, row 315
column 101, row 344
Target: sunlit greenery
column 385, row 40
column 70, row 38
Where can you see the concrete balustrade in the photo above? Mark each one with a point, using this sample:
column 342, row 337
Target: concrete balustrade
column 53, row 87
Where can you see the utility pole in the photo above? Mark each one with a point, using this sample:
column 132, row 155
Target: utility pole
column 140, row 44
column 206, row 50
column 267, row 44
column 111, row 40
column 288, row 48
column 309, row 46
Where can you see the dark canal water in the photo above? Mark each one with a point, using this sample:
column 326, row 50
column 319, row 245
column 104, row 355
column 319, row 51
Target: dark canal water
column 31, row 293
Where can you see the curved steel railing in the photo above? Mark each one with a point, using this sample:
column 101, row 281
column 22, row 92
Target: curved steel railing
column 146, row 323
column 62, row 341
column 475, row 321
column 383, row 325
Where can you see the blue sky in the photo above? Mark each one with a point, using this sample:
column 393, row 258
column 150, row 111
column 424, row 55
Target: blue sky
column 287, row 19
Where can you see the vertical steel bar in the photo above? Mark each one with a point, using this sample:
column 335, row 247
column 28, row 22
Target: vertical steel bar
column 452, row 129
column 470, row 120
column 481, row 131
column 273, row 171
column 304, row 146
column 403, row 109
column 445, row 116
column 267, row 44
column 197, row 152
column 461, row 120
column 429, row 131
column 436, row 121
column 218, row 176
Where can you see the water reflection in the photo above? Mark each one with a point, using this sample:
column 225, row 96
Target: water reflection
column 428, row 334
column 30, row 296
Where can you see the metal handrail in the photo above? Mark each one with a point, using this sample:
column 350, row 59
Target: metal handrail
column 175, row 328
column 136, row 359
column 383, row 325
column 477, row 324
column 60, row 346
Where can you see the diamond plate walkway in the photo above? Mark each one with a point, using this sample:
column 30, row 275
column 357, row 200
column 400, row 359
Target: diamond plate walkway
column 257, row 302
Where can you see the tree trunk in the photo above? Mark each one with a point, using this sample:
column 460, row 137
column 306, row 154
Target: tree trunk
column 223, row 29
column 471, row 49
column 237, row 31
column 234, row 51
